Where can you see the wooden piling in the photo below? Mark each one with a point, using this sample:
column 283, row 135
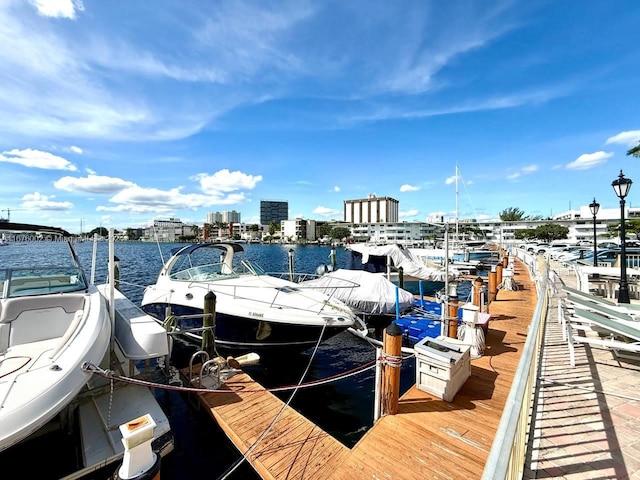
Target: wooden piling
column 498, row 275
column 208, row 323
column 392, row 361
column 493, row 284
column 453, row 316
column 478, row 283
column 505, row 261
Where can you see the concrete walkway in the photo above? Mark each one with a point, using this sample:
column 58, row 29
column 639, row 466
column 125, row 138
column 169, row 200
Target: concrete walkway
column 588, row 416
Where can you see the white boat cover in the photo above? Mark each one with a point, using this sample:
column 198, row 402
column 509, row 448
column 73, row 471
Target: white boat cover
column 363, row 291
column 411, row 265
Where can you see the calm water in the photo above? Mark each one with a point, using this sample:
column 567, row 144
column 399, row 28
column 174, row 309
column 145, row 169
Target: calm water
column 343, row 408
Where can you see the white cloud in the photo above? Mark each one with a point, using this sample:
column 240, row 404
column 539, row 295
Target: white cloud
column 409, row 213
column 58, row 8
column 629, row 138
column 42, row 202
column 451, row 179
column 93, row 184
column 226, row 181
column 326, row 212
column 409, row 188
column 75, row 149
column 37, row 159
column 336, row 188
column 526, row 170
column 589, row 160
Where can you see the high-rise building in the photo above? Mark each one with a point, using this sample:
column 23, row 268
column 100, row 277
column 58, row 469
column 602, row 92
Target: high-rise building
column 214, row 217
column 223, row 217
column 231, row 217
column 371, row 210
column 273, row 211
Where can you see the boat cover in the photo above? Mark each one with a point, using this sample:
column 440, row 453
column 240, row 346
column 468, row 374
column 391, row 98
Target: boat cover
column 365, row 292
column 411, row 265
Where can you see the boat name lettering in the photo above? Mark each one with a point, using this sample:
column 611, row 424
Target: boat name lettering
column 255, row 314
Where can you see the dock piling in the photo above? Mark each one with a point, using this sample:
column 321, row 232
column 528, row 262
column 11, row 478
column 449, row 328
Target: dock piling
column 391, row 363
column 208, row 323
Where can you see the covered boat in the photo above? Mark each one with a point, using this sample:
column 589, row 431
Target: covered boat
column 373, row 295
column 381, row 258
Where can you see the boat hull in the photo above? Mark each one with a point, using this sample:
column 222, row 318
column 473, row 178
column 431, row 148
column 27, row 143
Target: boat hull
column 238, row 335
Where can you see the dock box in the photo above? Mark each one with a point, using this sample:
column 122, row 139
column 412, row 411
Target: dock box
column 442, row 367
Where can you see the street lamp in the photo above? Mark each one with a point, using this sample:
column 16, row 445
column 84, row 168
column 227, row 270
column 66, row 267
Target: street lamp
column 622, row 186
column 594, row 207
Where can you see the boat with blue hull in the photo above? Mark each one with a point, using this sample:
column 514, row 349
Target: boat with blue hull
column 254, row 311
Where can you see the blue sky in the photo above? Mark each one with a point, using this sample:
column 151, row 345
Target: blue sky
column 114, row 113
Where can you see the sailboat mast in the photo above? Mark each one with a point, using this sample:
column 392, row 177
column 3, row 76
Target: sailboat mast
column 457, row 205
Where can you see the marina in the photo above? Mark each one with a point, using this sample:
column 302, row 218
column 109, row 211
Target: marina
column 260, row 429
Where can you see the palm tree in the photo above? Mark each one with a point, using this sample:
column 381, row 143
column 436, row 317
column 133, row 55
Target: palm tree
column 635, row 151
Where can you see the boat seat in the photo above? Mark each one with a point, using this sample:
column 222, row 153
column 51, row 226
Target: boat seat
column 33, row 319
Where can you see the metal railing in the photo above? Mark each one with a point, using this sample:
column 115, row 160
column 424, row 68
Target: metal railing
column 508, row 453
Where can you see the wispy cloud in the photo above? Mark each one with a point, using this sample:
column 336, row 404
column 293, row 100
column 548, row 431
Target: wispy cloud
column 327, row 212
column 526, row 170
column 589, row 160
column 409, row 188
column 412, row 213
column 629, row 138
column 36, row 159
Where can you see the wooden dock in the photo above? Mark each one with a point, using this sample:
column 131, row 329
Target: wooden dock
column 428, row 438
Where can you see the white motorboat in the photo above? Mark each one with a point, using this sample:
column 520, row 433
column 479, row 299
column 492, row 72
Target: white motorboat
column 254, row 311
column 53, row 324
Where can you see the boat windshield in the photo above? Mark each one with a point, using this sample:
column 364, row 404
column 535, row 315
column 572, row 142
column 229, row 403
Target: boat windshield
column 20, row 282
column 248, row 266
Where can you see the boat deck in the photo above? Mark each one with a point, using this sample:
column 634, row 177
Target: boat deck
column 428, row 438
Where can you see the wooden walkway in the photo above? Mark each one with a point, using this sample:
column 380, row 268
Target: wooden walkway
column 428, row 438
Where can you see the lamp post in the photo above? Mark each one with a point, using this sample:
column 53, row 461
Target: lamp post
column 621, row 186
column 594, row 207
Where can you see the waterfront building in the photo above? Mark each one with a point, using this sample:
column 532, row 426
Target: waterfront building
column 169, row 230
column 372, row 209
column 273, row 211
column 298, row 230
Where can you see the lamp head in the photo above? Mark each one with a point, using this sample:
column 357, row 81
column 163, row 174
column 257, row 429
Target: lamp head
column 594, row 207
column 621, row 186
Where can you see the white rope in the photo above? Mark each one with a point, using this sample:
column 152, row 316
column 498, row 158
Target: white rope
column 394, row 361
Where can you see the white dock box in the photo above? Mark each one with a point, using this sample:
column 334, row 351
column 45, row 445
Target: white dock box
column 442, row 367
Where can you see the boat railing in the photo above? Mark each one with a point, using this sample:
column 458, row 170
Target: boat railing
column 507, row 456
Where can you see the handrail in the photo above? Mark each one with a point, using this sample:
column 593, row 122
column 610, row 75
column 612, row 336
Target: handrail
column 507, row 455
